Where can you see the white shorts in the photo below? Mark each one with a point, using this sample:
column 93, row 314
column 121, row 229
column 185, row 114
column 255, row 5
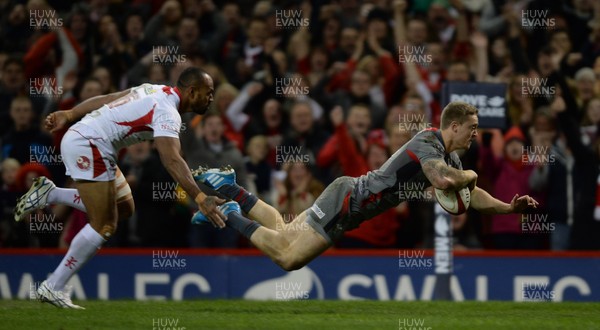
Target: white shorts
column 87, row 156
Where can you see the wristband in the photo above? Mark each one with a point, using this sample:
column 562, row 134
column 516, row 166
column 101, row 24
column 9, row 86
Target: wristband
column 200, row 198
column 69, row 116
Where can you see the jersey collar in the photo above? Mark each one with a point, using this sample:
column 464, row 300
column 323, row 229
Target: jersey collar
column 176, row 90
column 438, row 134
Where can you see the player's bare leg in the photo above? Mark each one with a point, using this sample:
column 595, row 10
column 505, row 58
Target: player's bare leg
column 101, row 207
column 292, row 246
column 44, row 192
column 268, row 216
column 223, row 180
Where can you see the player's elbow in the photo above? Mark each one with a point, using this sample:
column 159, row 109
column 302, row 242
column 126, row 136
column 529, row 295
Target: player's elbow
column 170, row 161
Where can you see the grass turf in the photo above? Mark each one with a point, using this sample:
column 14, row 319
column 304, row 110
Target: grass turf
column 312, row 315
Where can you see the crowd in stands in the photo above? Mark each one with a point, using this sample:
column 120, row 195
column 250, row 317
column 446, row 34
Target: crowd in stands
column 307, row 91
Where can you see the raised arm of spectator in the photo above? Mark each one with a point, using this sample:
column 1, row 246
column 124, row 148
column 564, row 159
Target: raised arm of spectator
column 570, row 128
column 490, row 164
column 412, row 73
column 388, row 67
column 71, row 55
column 461, row 45
column 491, row 23
column 480, row 43
column 557, row 78
column 235, row 111
column 352, row 161
column 299, row 44
column 517, row 53
column 399, row 21
column 341, row 78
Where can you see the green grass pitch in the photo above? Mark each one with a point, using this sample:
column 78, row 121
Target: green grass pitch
column 308, row 314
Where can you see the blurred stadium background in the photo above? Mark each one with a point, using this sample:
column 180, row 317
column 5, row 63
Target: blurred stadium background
column 307, row 91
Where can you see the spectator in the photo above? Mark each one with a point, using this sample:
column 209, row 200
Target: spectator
column 297, row 191
column 586, row 226
column 304, row 131
column 157, row 199
column 241, row 65
column 591, row 121
column 12, row 83
column 585, row 81
column 355, row 129
column 381, row 231
column 103, row 75
column 512, row 177
column 258, row 169
column 24, row 142
column 8, row 197
column 212, row 149
column 555, row 179
column 271, row 124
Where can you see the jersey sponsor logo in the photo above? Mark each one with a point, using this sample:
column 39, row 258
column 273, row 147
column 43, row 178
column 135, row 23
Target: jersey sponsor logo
column 318, row 211
column 149, row 89
column 83, row 163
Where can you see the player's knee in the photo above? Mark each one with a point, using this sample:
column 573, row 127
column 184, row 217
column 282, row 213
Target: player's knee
column 107, row 230
column 289, row 263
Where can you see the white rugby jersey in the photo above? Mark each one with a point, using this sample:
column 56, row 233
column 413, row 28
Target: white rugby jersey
column 148, row 111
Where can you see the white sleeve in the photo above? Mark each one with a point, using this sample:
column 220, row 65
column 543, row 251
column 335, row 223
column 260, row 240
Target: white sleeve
column 166, row 123
column 427, row 97
column 234, row 112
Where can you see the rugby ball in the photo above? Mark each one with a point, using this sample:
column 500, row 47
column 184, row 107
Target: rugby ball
column 454, row 202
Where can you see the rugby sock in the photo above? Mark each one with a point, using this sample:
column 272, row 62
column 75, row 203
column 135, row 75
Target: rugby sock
column 240, row 195
column 83, row 247
column 245, row 226
column 66, row 196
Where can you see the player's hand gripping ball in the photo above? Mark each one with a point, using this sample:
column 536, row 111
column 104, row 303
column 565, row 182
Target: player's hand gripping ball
column 454, row 202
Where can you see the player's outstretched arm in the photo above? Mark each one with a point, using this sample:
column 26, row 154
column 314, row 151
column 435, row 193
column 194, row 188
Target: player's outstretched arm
column 445, row 177
column 60, row 119
column 168, row 149
column 483, row 202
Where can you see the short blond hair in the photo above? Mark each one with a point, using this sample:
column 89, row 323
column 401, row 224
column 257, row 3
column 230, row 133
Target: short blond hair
column 457, row 111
